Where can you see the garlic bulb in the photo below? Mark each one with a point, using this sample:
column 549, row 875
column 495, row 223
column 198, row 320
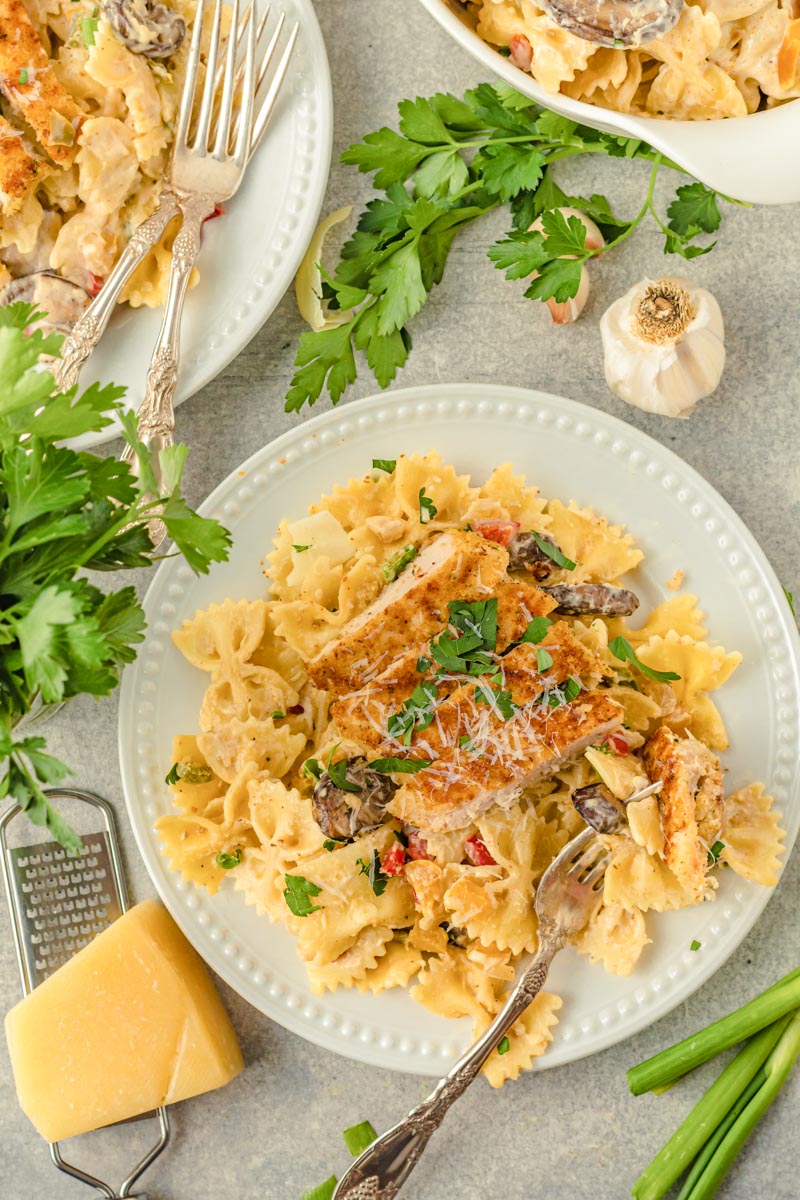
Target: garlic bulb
column 664, row 346
column 567, row 311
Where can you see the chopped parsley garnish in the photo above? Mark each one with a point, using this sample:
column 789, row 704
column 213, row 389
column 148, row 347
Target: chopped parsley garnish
column 400, row 766
column 454, row 934
column 298, row 895
column 188, row 772
column 384, row 464
column 695, row 945
column 23, row 75
column 423, row 664
column 603, row 748
column 427, row 509
column 415, row 713
column 299, row 549
column 393, row 566
column 332, row 844
column 358, row 1137
column 337, row 773
column 371, row 867
column 544, row 660
column 536, row 630
column 502, row 699
column 312, row 768
column 323, row 1191
column 465, row 742
column 89, row 28
column 476, row 616
column 503, row 1046
column 714, row 852
column 621, row 648
column 468, row 651
column 565, row 693
column 401, row 838
column 229, row 861
column 547, row 547
column 278, row 715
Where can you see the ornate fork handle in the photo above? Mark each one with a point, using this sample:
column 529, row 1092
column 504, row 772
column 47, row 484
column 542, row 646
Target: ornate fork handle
column 88, row 330
column 380, row 1172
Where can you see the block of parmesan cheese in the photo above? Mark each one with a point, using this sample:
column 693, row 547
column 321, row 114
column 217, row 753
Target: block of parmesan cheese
column 131, row 1022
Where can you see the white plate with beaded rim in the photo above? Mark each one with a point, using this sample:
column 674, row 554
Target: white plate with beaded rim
column 251, row 254
column 568, row 451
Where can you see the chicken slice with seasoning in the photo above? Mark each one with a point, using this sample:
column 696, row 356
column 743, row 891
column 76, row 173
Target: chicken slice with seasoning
column 456, row 565
column 30, row 86
column 20, row 171
column 364, row 714
column 690, row 803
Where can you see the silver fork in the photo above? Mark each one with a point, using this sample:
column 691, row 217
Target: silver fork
column 88, row 330
column 567, row 894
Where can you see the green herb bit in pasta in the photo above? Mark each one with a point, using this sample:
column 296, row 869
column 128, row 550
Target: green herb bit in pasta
column 427, row 509
column 312, row 768
column 393, row 566
column 423, row 665
column 358, row 1137
column 384, row 464
column 332, row 844
column 621, row 648
column 503, row 1046
column 455, row 936
column 714, row 853
column 187, row 772
column 544, row 660
column 229, row 861
column 695, row 945
column 536, row 630
column 337, row 773
column 565, row 693
column 546, row 547
column 603, row 748
column 500, row 700
column 415, row 713
column 298, row 895
column 399, row 766
column 476, row 616
column 278, row 715
column 371, row 867
column 300, row 549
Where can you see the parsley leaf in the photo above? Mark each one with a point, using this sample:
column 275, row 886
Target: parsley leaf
column 312, row 768
column 544, row 660
column 694, row 209
column 564, row 693
column 393, row 566
column 300, row 549
column 371, row 867
column 415, row 713
column 503, row 1046
column 427, row 509
column 228, row 861
column 400, row 766
column 384, row 464
column 332, row 844
column 621, row 648
column 423, row 665
column 695, row 945
column 537, row 628
column 552, row 551
column 298, row 893
column 337, row 772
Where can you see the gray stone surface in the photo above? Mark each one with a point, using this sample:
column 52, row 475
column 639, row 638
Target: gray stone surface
column 571, row 1133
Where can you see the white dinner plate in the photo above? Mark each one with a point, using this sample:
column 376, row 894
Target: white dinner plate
column 251, row 253
column 569, row 451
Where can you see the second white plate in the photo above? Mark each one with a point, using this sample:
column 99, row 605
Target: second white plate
column 251, row 253
column 569, row 451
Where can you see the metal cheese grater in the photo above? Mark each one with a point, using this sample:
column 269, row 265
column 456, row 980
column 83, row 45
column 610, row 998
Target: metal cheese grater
column 58, row 902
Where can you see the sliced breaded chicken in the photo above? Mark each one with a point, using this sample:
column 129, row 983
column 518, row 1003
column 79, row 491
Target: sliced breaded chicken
column 364, row 716
column 29, row 84
column 20, row 171
column 690, row 803
column 367, row 710
column 457, row 565
column 492, row 766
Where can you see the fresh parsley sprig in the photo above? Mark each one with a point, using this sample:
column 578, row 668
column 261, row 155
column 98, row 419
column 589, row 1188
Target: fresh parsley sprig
column 63, row 512
column 451, row 161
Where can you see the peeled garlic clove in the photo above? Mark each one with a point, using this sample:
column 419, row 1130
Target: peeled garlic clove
column 664, row 346
column 567, row 311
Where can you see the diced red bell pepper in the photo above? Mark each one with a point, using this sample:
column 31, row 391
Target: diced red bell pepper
column 394, row 860
column 618, row 743
column 417, row 846
column 477, row 853
column 502, row 532
column 95, row 283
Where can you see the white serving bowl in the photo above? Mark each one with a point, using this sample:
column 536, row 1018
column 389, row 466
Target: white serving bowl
column 754, row 158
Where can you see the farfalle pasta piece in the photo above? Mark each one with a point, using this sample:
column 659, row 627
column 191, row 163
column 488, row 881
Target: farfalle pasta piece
column 615, row 937
column 680, row 614
column 427, row 882
column 636, row 879
column 260, row 877
column 601, row 552
column 752, row 834
column 610, row 79
column 702, row 668
column 449, row 493
column 557, row 55
column 228, row 747
column 308, row 625
column 395, row 968
column 193, row 797
column 641, row 711
column 528, row 1039
column 644, row 822
column 623, row 774
column 346, row 970
column 253, row 692
column 282, row 818
column 222, row 638
column 190, row 845
column 506, row 496
column 452, row 986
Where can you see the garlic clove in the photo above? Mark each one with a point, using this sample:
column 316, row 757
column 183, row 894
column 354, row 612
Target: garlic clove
column 664, row 346
column 564, row 313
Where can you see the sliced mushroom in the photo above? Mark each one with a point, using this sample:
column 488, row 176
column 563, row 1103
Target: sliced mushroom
column 146, row 27
column 575, row 599
column 525, row 554
column 343, row 814
column 62, row 302
column 599, row 808
column 618, row 23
